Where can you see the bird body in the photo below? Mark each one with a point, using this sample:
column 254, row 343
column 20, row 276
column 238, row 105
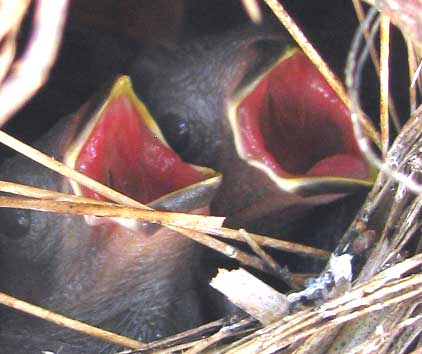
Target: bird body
column 140, row 283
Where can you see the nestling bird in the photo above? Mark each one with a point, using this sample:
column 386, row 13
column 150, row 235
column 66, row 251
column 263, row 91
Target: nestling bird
column 138, row 283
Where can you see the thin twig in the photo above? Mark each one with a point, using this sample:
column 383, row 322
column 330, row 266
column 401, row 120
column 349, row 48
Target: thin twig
column 414, row 75
column 39, row 193
column 178, row 348
column 374, row 58
column 265, row 241
column 7, row 53
column 11, row 15
column 64, row 321
column 278, row 271
column 185, row 336
column 406, row 15
column 384, row 83
column 170, row 344
column 354, row 66
column 76, row 208
column 223, row 248
column 32, row 70
column 253, row 10
column 224, row 333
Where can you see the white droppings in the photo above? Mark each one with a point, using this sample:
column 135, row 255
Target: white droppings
column 341, row 267
column 379, row 331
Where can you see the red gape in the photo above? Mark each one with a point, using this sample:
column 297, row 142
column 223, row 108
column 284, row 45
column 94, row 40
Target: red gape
column 294, row 123
column 125, row 154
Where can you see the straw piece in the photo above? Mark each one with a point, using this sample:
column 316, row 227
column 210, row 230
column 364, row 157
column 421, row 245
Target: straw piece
column 272, row 242
column 264, row 241
column 406, row 15
column 279, row 272
column 33, row 67
column 251, row 295
column 384, row 86
column 225, row 332
column 374, row 58
column 151, row 216
column 64, row 321
column 253, row 10
column 39, row 193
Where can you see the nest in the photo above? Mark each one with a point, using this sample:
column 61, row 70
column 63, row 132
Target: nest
column 379, row 311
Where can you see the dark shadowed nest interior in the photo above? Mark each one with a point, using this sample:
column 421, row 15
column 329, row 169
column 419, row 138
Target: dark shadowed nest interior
column 341, row 273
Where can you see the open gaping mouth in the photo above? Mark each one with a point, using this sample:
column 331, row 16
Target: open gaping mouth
column 122, row 147
column 293, row 126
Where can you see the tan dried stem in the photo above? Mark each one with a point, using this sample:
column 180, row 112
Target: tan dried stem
column 253, row 10
column 184, row 337
column 63, row 321
column 415, row 67
column 223, row 248
column 200, row 331
column 11, row 15
column 7, row 52
column 39, row 193
column 353, row 71
column 406, row 15
column 179, row 348
column 104, row 210
column 31, row 71
column 384, row 83
column 265, row 241
column 272, row 265
column 32, row 192
column 374, row 58
column 313, row 55
column 222, row 334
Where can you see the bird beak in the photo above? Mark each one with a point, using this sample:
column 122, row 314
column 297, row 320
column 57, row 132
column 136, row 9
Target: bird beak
column 294, row 136
column 118, row 143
